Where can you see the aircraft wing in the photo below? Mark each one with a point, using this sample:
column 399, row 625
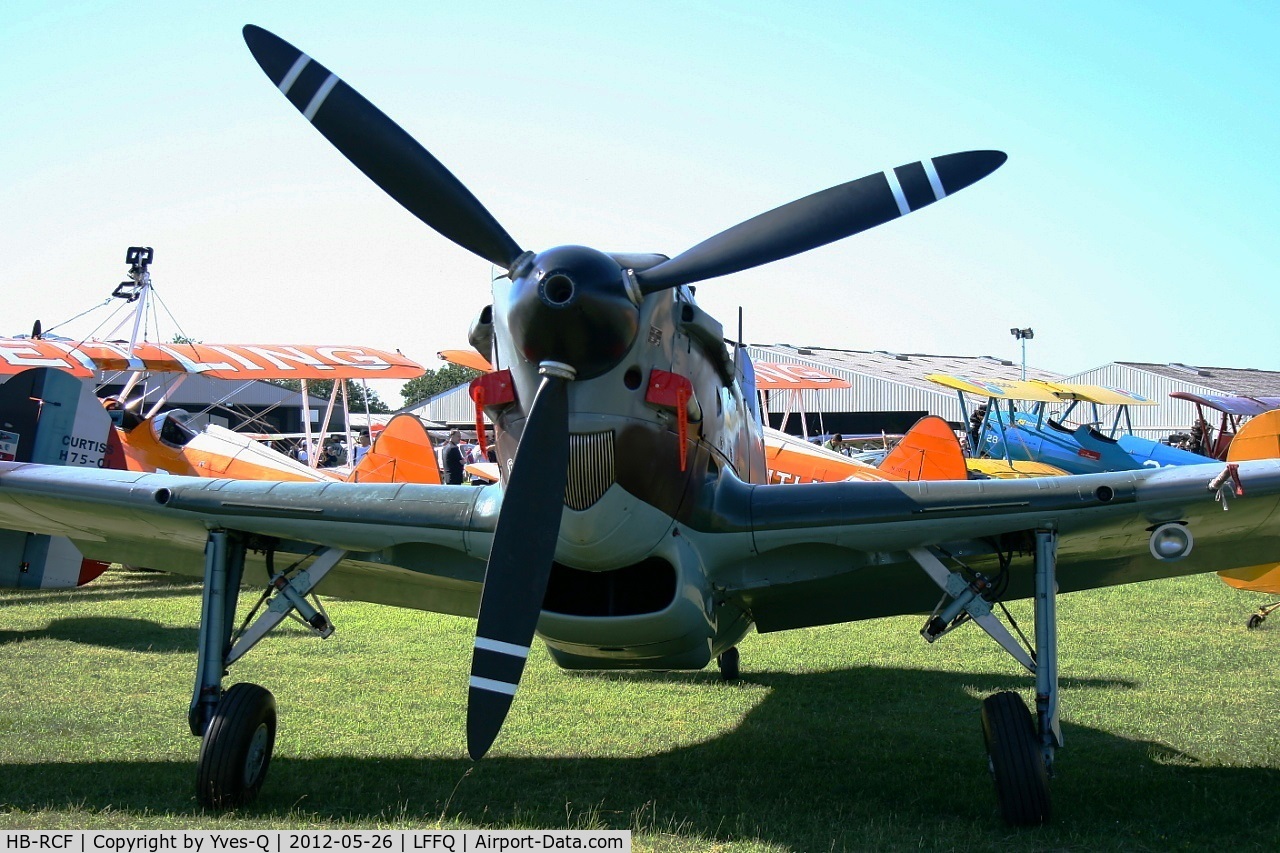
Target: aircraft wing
column 821, row 553
column 408, row 544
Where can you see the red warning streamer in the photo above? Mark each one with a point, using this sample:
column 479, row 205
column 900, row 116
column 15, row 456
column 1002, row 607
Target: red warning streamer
column 673, row 391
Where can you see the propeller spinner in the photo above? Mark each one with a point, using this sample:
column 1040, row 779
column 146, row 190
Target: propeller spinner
column 574, row 312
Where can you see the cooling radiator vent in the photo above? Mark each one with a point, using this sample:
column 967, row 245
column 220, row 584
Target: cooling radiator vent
column 591, row 470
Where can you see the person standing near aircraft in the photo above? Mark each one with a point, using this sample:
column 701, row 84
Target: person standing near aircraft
column 836, row 443
column 452, row 458
column 975, row 427
column 362, row 447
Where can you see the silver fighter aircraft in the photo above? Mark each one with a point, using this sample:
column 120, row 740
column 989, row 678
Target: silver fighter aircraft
column 632, row 528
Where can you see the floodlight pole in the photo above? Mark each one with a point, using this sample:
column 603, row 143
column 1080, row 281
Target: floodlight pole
column 1023, row 335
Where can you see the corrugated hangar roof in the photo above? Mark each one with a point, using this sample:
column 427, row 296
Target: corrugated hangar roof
column 909, row 368
column 1227, row 380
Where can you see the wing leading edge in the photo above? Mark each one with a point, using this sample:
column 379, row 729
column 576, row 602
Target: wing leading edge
column 834, row 552
column 410, row 545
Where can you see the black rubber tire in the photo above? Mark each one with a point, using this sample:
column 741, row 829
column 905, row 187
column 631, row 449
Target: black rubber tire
column 236, row 749
column 1015, row 760
column 1255, row 621
column 729, row 662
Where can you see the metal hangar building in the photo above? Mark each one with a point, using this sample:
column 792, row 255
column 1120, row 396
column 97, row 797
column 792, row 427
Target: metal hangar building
column 888, row 391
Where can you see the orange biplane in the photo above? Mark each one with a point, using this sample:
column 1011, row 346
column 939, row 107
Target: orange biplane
column 1258, row 438
column 41, row 369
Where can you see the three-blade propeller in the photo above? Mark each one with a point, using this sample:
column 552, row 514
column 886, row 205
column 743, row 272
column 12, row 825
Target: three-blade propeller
column 524, row 542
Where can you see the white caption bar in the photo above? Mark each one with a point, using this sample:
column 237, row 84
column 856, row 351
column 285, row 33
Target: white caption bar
column 289, row 841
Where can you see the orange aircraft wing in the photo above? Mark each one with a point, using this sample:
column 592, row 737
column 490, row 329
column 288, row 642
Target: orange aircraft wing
column 773, row 376
column 466, row 358
column 794, row 460
column 220, row 361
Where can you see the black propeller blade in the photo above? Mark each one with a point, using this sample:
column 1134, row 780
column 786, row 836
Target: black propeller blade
column 381, row 149
column 822, row 218
column 515, row 580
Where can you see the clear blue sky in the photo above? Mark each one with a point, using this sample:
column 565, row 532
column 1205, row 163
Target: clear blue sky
column 1132, row 221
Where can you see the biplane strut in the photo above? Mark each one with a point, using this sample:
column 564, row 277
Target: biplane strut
column 1020, row 752
column 237, row 726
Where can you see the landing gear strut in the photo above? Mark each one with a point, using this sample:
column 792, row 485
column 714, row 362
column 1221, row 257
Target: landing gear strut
column 1020, row 751
column 237, row 726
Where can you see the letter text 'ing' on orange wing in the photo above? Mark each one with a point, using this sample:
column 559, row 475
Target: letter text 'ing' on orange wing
column 774, row 376
column 220, row 361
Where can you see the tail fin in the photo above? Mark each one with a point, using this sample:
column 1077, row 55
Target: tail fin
column 51, row 418
column 929, row 451
column 401, row 453
column 1257, row 439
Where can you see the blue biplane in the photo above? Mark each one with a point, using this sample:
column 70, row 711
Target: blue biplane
column 999, row 429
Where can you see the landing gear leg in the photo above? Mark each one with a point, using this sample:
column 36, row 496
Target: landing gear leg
column 1020, row 754
column 237, row 728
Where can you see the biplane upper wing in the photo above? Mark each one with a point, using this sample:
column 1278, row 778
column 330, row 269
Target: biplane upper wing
column 407, row 544
column 823, row 553
column 84, row 359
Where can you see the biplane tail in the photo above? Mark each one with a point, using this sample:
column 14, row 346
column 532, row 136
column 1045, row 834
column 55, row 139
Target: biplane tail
column 49, row 417
column 1259, row 438
column 401, row 453
column 929, row 451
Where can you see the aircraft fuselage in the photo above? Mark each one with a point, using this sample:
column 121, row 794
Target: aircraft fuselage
column 628, row 586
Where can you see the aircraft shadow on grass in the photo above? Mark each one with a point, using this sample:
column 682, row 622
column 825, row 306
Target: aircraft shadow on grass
column 141, row 586
column 793, row 772
column 117, row 632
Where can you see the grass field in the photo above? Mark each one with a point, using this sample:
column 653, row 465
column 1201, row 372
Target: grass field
column 849, row 737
